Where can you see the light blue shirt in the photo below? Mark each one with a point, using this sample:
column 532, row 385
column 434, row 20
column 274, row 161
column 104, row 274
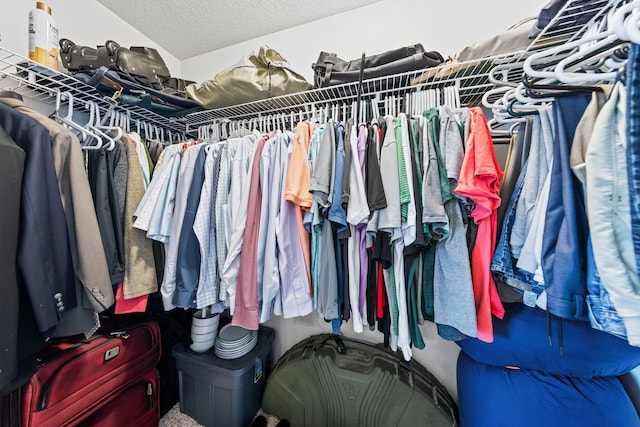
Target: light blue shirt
column 236, row 211
column 162, row 215
column 185, row 176
column 157, row 188
column 268, row 267
column 294, row 290
column 204, row 229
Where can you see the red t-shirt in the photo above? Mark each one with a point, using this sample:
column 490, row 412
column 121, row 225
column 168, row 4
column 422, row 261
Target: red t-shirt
column 480, row 181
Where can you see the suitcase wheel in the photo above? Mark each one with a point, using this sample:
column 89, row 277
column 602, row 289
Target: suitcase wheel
column 66, row 45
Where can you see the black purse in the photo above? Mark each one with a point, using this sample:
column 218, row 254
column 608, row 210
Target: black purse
column 141, row 65
column 330, row 70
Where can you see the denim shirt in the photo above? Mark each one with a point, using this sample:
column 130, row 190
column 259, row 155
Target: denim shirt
column 503, row 264
column 565, row 230
column 633, row 145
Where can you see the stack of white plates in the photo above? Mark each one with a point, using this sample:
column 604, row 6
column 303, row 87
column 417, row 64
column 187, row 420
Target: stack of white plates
column 234, row 342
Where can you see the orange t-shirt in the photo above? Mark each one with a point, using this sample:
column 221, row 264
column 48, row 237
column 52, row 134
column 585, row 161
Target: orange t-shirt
column 297, row 186
column 480, row 181
column 298, row 181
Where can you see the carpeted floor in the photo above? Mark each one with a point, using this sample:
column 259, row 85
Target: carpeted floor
column 175, row 418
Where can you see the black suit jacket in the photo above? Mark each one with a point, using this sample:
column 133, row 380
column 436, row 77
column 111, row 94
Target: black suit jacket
column 11, row 170
column 44, row 257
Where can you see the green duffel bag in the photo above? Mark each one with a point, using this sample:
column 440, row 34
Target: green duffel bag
column 333, row 381
column 256, row 77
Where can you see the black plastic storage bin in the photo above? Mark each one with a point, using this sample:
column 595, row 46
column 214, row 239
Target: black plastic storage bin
column 220, row 392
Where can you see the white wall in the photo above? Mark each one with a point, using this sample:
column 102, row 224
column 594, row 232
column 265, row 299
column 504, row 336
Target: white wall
column 86, row 22
column 443, row 25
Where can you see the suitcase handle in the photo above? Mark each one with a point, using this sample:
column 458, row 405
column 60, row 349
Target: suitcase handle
column 112, row 47
column 66, row 45
column 339, row 343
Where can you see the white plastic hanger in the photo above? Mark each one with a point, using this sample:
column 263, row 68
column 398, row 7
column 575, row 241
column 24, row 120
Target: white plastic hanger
column 625, row 19
column 90, row 127
column 504, row 70
column 455, row 90
column 283, row 122
column 491, row 93
column 67, row 121
column 99, row 125
column 540, row 57
column 632, row 27
column 95, row 126
column 579, row 77
column 520, row 93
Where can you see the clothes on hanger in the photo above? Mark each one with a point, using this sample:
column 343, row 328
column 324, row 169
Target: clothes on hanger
column 359, row 223
column 12, row 159
column 63, row 276
column 570, row 251
column 479, row 181
column 633, row 156
column 74, row 247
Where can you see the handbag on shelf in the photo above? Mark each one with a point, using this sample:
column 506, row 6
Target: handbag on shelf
column 257, row 76
column 141, row 65
column 329, row 70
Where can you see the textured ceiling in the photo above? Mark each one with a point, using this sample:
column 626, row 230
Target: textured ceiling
column 188, row 28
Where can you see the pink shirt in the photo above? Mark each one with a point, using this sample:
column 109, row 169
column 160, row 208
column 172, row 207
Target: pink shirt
column 245, row 313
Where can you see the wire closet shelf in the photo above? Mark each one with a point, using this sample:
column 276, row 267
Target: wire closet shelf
column 43, row 84
column 471, row 77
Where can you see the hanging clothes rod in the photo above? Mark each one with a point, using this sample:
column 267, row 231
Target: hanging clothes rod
column 471, row 77
column 42, row 84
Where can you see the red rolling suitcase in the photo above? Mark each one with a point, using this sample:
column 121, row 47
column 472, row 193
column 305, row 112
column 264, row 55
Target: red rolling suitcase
column 109, row 380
